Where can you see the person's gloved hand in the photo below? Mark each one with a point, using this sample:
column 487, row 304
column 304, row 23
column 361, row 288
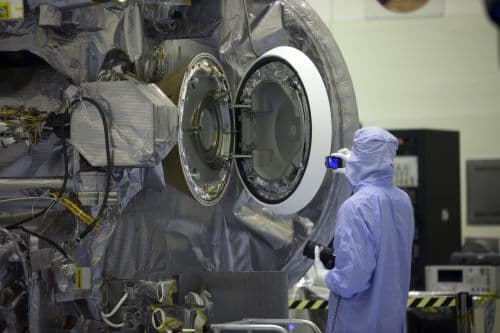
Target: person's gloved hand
column 344, row 154
column 320, row 269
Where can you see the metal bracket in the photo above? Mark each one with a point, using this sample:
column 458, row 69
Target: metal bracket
column 301, row 322
column 246, row 327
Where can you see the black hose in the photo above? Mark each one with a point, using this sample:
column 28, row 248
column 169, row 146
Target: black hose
column 48, row 240
column 109, row 163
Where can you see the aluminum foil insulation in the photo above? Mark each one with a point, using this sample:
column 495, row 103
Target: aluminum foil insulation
column 162, row 231
column 141, row 117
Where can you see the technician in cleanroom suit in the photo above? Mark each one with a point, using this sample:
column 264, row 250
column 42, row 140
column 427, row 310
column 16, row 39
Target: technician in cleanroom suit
column 373, row 241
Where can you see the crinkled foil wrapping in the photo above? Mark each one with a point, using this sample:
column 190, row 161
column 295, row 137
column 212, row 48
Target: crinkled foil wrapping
column 162, row 231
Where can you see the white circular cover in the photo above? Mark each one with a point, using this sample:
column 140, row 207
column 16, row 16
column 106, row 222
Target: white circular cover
column 321, row 129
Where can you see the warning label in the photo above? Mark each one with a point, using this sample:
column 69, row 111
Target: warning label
column 82, row 278
column 5, row 11
column 11, row 10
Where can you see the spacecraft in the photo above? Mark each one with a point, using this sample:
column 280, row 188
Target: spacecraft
column 145, row 140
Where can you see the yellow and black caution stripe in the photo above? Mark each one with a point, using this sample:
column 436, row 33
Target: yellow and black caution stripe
column 413, row 302
column 430, row 302
column 318, row 304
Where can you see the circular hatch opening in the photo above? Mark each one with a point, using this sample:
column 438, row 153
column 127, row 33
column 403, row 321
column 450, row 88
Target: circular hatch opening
column 274, row 122
column 283, row 130
column 278, row 130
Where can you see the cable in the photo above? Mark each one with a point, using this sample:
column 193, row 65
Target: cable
column 49, row 241
column 105, row 316
column 16, row 300
column 162, row 318
column 61, row 191
column 77, row 211
column 16, row 226
column 89, row 228
column 107, row 188
column 160, row 292
column 249, row 29
column 111, row 324
column 117, row 306
column 28, row 198
column 19, row 252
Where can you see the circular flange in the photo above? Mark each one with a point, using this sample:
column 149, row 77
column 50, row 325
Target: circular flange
column 283, row 117
column 206, row 123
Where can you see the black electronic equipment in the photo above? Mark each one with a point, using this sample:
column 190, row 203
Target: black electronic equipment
column 427, row 168
column 483, row 201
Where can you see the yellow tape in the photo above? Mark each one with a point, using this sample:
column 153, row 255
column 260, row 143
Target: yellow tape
column 12, row 10
column 201, row 315
column 486, row 298
column 76, row 211
column 78, row 278
column 171, row 291
column 170, row 323
column 5, row 12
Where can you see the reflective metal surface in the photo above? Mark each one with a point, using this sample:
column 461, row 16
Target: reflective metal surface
column 163, row 232
column 205, row 129
column 17, row 184
column 140, row 123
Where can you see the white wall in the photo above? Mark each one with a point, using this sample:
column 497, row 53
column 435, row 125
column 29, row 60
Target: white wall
column 439, row 72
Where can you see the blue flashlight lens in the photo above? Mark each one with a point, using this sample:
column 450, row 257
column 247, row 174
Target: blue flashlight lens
column 333, row 162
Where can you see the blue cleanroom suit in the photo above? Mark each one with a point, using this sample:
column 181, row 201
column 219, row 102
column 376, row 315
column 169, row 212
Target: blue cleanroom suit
column 373, row 241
